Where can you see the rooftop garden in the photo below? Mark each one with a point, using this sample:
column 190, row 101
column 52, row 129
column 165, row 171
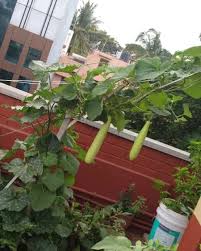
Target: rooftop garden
column 38, row 209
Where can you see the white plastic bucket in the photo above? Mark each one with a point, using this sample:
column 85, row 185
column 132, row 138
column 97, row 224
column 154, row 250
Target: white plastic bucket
column 168, row 226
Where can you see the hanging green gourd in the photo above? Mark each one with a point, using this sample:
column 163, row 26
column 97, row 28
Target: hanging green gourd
column 97, row 142
column 137, row 146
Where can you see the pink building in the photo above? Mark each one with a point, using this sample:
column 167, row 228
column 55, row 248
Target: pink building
column 92, row 61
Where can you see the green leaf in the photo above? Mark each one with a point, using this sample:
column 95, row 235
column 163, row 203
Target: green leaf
column 187, row 111
column 150, row 69
column 50, row 159
column 69, row 163
column 193, row 51
column 192, row 86
column 48, row 143
column 123, row 72
column 35, row 166
column 67, row 91
column 94, row 108
column 158, row 99
column 53, row 180
column 41, row 244
column 118, row 120
column 40, row 197
column 70, row 180
column 64, row 230
column 102, row 88
column 114, row 243
column 59, row 206
column 13, row 201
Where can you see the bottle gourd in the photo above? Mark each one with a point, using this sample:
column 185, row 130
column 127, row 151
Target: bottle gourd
column 97, row 142
column 137, row 146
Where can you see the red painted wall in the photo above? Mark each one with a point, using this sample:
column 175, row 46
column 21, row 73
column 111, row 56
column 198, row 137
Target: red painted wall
column 113, row 172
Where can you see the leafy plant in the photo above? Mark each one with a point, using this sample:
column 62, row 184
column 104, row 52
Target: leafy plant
column 121, row 243
column 187, row 184
column 126, row 203
column 40, row 215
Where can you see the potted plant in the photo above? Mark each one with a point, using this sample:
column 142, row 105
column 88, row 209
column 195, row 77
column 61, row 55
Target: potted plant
column 173, row 212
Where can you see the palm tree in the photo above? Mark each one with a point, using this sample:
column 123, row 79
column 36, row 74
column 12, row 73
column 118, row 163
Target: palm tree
column 151, row 42
column 84, row 22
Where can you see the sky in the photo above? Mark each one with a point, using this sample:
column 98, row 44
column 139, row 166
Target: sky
column 179, row 21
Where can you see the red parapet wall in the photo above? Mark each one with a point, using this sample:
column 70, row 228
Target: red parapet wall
column 102, row 182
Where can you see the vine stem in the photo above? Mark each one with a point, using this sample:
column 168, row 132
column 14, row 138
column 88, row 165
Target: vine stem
column 162, row 87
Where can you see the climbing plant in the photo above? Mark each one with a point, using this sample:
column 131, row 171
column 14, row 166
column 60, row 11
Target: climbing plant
column 37, row 212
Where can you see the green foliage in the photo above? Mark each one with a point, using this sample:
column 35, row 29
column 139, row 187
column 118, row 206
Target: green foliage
column 121, row 243
column 187, row 184
column 42, row 213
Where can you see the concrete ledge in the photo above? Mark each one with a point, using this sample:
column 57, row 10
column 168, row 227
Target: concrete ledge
column 126, row 134
column 13, row 92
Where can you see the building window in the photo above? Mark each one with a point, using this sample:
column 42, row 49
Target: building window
column 6, row 11
column 103, row 62
column 24, row 84
column 5, row 75
column 13, row 52
column 33, row 54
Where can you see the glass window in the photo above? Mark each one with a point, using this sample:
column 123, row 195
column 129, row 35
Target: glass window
column 13, row 52
column 33, row 54
column 5, row 75
column 6, row 11
column 23, row 85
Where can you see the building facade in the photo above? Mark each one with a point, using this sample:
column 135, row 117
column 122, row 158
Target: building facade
column 92, row 61
column 32, row 30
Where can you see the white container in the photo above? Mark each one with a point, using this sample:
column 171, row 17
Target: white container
column 168, row 226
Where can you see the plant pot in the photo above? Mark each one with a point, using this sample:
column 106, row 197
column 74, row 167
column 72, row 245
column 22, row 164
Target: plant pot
column 168, row 226
column 127, row 220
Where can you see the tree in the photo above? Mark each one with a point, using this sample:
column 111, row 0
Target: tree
column 102, row 41
column 136, row 51
column 84, row 22
column 150, row 40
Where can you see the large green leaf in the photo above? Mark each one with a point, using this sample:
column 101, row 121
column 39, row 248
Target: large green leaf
column 64, row 229
column 49, row 159
column 158, row 99
column 53, row 180
column 58, row 207
column 94, row 108
column 67, row 91
column 102, row 88
column 13, row 201
column 40, row 197
column 114, row 243
column 123, row 72
column 118, row 120
column 150, row 69
column 193, row 51
column 49, row 143
column 192, row 86
column 69, row 163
